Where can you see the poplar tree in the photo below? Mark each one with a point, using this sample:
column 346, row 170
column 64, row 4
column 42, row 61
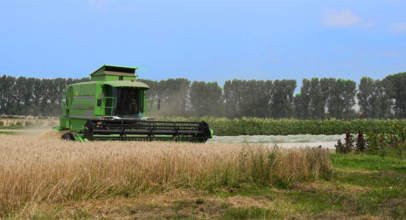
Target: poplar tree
column 335, row 102
column 395, row 86
column 282, row 98
column 206, row 99
column 37, row 97
column 8, row 102
column 297, row 101
column 381, row 101
column 348, row 97
column 364, row 96
column 233, row 94
column 304, row 103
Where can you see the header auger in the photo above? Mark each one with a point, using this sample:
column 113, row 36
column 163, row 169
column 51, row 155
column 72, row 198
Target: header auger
column 112, row 106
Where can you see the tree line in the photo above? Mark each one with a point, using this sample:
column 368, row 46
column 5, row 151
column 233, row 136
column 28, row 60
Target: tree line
column 33, row 96
column 318, row 98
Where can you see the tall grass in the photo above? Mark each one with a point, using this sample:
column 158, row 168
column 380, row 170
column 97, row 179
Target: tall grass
column 35, row 170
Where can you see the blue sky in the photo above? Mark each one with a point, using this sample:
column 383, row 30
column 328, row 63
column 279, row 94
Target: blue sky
column 204, row 40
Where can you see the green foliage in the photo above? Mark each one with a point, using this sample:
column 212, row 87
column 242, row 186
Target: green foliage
column 249, row 213
column 241, row 95
column 374, row 98
column 394, row 88
column 390, row 142
column 1, row 123
column 206, row 99
column 368, row 162
column 8, row 133
column 343, row 80
column 33, row 96
column 266, row 126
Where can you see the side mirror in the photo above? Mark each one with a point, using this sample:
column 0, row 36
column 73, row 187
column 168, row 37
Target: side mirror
column 159, row 104
column 99, row 102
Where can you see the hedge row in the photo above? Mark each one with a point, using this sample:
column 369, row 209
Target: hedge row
column 260, row 126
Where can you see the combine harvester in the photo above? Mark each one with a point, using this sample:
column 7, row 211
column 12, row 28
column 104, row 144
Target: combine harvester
column 111, row 107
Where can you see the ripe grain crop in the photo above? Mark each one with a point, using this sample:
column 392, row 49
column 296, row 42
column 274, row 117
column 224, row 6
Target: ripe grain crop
column 37, row 170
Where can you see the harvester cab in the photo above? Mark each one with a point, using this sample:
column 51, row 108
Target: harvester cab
column 112, row 106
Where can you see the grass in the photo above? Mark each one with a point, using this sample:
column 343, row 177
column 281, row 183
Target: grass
column 363, row 186
column 8, row 133
column 363, row 161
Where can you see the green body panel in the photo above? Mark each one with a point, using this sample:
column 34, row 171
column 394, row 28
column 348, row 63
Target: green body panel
column 99, row 78
column 59, row 128
column 74, row 124
column 64, row 122
column 87, row 88
column 77, row 124
column 117, row 78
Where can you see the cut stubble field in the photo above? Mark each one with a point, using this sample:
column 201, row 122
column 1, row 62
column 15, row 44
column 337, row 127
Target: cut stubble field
column 47, row 178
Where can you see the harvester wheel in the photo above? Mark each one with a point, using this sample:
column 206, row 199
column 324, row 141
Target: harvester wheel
column 67, row 137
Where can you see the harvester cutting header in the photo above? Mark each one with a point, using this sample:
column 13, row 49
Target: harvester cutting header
column 112, row 106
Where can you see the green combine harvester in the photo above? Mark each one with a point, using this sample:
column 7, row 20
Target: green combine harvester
column 112, row 107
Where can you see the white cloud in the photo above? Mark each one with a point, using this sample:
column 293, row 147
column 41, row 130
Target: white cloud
column 369, row 24
column 340, row 18
column 398, row 28
column 98, row 4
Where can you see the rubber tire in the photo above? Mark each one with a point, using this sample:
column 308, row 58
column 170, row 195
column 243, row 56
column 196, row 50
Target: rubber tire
column 67, row 137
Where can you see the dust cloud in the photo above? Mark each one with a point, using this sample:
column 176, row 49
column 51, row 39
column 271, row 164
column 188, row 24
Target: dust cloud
column 173, row 105
column 54, row 134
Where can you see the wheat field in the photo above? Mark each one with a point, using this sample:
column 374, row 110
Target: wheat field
column 37, row 170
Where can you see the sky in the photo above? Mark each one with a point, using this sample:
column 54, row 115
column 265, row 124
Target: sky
column 204, row 40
